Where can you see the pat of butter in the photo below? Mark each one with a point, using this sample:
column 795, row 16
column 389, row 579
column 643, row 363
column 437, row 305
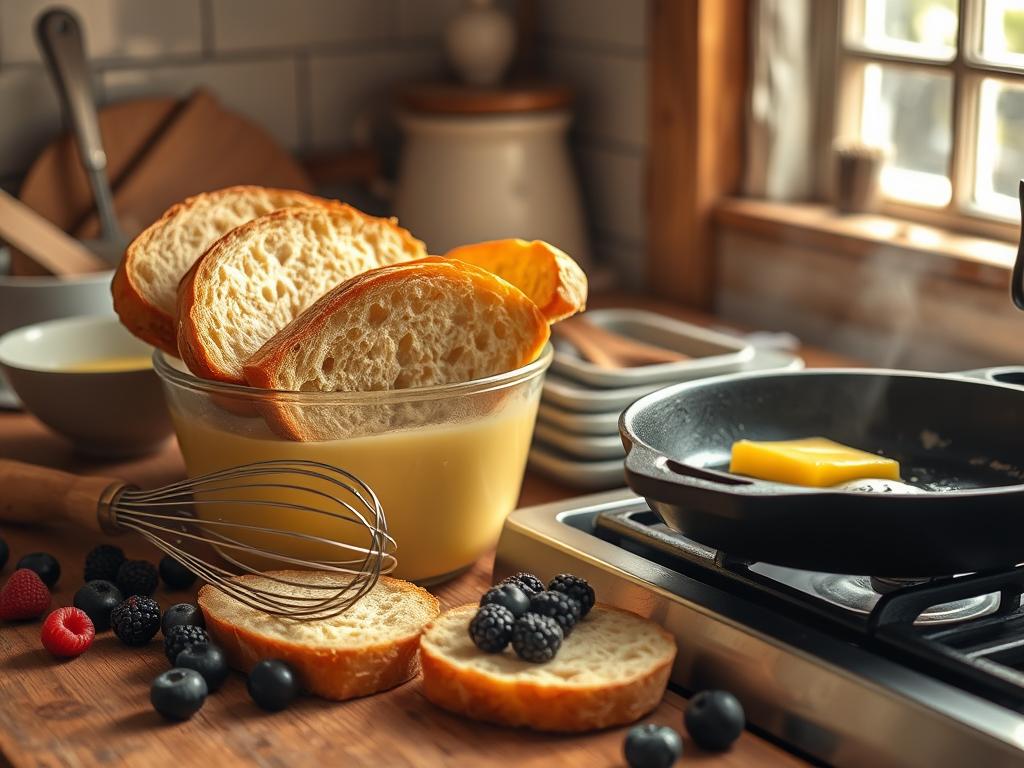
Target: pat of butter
column 813, row 461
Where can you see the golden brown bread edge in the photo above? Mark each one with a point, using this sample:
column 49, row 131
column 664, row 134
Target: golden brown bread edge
column 331, row 673
column 529, row 704
column 147, row 322
column 190, row 346
column 260, row 370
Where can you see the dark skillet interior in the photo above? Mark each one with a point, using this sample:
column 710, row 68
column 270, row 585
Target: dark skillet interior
column 948, row 434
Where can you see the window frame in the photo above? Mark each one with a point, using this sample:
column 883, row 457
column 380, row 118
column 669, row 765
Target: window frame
column 968, row 74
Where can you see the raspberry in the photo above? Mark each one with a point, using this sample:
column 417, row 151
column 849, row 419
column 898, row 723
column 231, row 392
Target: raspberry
column 527, row 582
column 24, row 596
column 557, row 606
column 536, row 638
column 491, row 628
column 576, row 588
column 136, row 620
column 136, row 577
column 67, row 632
column 182, row 637
column 102, row 562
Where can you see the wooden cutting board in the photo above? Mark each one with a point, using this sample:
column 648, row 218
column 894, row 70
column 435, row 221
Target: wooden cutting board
column 159, row 150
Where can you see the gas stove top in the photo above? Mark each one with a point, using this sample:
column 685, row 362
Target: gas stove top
column 850, row 670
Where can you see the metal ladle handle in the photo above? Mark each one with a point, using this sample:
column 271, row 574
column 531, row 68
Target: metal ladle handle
column 60, row 39
column 1017, row 281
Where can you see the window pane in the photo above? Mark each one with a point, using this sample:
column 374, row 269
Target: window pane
column 922, row 28
column 999, row 163
column 908, row 112
column 1002, row 32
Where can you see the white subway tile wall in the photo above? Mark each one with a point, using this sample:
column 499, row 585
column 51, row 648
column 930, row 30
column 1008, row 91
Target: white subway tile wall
column 304, row 69
column 599, row 47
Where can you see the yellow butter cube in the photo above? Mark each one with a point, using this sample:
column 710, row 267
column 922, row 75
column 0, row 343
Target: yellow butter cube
column 813, row 461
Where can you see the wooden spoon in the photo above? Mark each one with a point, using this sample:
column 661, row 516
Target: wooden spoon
column 607, row 349
column 45, row 244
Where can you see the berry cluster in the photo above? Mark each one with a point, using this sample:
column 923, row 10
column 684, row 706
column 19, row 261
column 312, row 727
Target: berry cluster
column 535, row 620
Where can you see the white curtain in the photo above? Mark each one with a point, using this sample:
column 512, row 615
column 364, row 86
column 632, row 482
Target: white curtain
column 782, row 151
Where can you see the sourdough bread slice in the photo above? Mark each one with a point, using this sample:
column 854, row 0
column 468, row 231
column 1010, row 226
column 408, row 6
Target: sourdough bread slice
column 433, row 321
column 544, row 273
column 369, row 648
column 145, row 285
column 611, row 670
column 258, row 278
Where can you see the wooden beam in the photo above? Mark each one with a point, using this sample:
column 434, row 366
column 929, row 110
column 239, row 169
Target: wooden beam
column 697, row 107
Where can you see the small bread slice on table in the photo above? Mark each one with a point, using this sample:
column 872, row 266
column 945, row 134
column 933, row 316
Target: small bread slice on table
column 550, row 277
column 611, row 670
column 432, row 321
column 257, row 278
column 145, row 286
column 369, row 648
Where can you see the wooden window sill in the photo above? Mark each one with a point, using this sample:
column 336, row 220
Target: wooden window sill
column 921, row 248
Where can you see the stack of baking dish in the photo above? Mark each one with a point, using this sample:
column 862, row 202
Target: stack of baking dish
column 576, row 440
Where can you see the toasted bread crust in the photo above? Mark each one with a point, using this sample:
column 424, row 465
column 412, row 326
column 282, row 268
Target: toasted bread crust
column 332, row 673
column 191, row 345
column 150, row 323
column 264, row 367
column 540, row 706
column 564, row 291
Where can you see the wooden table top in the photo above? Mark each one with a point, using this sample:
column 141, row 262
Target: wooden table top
column 95, row 710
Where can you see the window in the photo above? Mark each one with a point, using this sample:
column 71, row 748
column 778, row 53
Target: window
column 939, row 85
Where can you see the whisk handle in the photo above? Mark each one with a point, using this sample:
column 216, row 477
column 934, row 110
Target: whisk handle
column 31, row 494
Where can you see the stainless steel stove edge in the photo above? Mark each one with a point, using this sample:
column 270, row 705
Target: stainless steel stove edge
column 837, row 702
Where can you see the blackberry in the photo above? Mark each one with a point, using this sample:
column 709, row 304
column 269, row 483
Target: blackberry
column 508, row 595
column 557, row 606
column 136, row 620
column 491, row 628
column 44, row 564
column 174, row 574
column 527, row 582
column 536, row 638
column 576, row 588
column 136, row 577
column 102, row 562
column 182, row 637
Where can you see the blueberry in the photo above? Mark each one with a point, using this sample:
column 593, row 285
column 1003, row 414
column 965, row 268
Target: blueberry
column 44, row 564
column 509, row 595
column 714, row 719
column 174, row 574
column 652, row 746
column 5, row 552
column 98, row 598
column 182, row 613
column 272, row 684
column 208, row 660
column 178, row 693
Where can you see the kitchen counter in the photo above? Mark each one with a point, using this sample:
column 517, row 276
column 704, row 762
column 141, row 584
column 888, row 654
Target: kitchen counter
column 95, row 710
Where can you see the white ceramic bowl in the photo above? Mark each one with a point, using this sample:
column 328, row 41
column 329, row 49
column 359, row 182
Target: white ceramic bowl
column 115, row 413
column 26, row 300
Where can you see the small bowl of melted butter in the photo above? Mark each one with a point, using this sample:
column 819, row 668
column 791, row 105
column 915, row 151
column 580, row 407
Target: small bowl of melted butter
column 88, row 379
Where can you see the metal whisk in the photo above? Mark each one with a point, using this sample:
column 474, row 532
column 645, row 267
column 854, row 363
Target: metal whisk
column 226, row 514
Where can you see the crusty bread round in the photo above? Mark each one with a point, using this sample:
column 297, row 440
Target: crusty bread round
column 432, row 321
column 257, row 278
column 369, row 648
column 146, row 282
column 611, row 670
column 549, row 276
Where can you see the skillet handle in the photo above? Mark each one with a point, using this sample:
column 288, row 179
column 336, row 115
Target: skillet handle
column 656, row 476
column 1017, row 281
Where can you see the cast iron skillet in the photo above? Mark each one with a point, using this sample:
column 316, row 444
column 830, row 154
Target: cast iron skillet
column 960, row 437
